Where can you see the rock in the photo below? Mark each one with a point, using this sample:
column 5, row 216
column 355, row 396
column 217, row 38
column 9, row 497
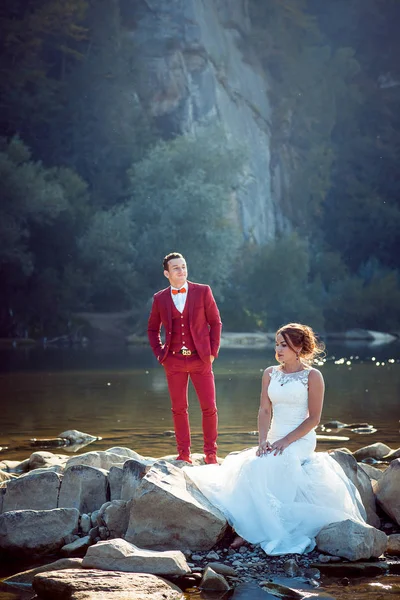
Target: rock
column 33, row 491
column 115, row 482
column 169, row 512
column 213, row 581
column 362, row 482
column 120, row 555
column 351, row 569
column 394, row 544
column 281, row 591
column 222, row 569
column 74, row 437
column 76, row 548
column 4, row 476
column 88, row 584
column 36, row 532
column 93, row 517
column 373, row 473
column 387, row 490
column 44, row 459
column 85, row 488
column 351, row 540
column 99, row 460
column 377, row 451
column 132, row 473
column 291, row 568
column 26, row 577
column 15, row 466
column 212, row 555
column 85, row 523
column 115, row 516
column 392, row 455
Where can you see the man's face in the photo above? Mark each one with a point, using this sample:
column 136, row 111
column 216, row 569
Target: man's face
column 177, row 272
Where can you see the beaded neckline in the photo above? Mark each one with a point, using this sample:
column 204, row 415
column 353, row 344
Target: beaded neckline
column 283, row 378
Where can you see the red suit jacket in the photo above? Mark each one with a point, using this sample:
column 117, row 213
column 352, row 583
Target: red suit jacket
column 204, row 320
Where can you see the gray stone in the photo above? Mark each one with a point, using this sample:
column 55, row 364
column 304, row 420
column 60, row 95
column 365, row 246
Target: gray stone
column 85, row 523
column 213, row 581
column 387, row 490
column 92, row 584
column 362, row 482
column 36, row 531
column 4, row 476
column 43, row 459
column 115, row 516
column 132, row 474
column 115, row 482
column 352, row 540
column 33, row 491
column 392, row 455
column 76, row 548
column 120, row 555
column 373, row 473
column 222, row 569
column 85, row 488
column 93, row 517
column 377, row 451
column 394, row 544
column 168, row 512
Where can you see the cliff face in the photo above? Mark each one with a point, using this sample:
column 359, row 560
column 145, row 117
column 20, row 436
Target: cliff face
column 190, row 69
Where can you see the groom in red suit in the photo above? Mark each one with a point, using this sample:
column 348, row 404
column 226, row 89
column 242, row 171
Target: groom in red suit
column 192, row 325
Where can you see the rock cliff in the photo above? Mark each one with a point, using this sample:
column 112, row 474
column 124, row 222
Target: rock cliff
column 191, row 67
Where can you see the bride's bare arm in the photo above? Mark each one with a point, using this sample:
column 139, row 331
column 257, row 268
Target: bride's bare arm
column 316, row 390
column 264, row 415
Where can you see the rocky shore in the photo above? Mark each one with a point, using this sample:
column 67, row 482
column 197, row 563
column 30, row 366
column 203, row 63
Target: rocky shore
column 119, row 525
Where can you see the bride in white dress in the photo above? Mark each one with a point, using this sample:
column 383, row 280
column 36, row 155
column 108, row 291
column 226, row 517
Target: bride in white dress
column 281, row 493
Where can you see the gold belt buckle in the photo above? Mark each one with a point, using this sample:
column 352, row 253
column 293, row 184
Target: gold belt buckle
column 186, row 352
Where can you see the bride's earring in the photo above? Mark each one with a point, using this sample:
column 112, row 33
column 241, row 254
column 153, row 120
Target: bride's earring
column 297, row 355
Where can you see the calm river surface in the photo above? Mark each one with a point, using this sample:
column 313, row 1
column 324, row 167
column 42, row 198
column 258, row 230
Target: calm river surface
column 120, row 394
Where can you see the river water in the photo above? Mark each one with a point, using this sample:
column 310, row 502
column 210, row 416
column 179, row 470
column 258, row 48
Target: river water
column 120, row 395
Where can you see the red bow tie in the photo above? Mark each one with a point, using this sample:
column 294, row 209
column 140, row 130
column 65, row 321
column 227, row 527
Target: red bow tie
column 181, row 291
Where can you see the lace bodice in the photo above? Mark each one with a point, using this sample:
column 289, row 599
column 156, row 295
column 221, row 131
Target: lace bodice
column 288, row 393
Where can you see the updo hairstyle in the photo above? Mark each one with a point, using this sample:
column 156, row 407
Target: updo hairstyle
column 297, row 335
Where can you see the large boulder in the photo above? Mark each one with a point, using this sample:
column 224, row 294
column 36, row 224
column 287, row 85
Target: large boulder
column 115, row 481
column 394, row 544
column 387, row 490
column 105, row 459
column 85, row 488
column 351, row 540
column 168, row 512
column 120, row 555
column 33, row 491
column 36, row 532
column 362, row 482
column 92, row 584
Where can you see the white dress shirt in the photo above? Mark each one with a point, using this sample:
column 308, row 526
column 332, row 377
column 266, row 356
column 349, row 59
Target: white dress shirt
column 180, row 299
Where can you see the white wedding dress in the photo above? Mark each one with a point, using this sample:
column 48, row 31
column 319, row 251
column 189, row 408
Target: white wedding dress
column 281, row 502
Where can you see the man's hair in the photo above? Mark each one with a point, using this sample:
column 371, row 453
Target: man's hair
column 169, row 257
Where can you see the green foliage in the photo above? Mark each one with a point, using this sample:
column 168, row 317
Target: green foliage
column 183, row 200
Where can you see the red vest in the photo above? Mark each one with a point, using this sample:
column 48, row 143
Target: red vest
column 181, row 335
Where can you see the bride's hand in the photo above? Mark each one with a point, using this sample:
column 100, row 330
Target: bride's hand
column 263, row 448
column 279, row 446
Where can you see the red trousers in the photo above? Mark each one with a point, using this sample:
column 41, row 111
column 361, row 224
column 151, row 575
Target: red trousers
column 178, row 368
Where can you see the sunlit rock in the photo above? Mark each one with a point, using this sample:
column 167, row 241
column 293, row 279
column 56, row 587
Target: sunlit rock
column 351, row 540
column 387, row 490
column 120, row 555
column 84, row 488
column 36, row 532
column 168, row 512
column 94, row 584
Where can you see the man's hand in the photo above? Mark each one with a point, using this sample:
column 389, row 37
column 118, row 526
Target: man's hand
column 212, row 358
